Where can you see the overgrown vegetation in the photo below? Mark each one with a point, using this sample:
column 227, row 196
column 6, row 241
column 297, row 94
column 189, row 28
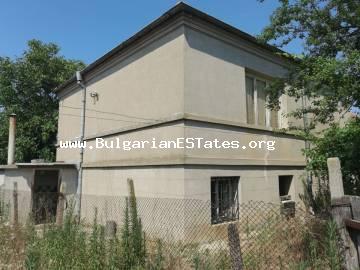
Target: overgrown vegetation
column 74, row 246
column 325, row 79
column 268, row 239
column 341, row 142
column 321, row 247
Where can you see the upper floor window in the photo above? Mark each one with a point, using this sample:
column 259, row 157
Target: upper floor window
column 256, row 110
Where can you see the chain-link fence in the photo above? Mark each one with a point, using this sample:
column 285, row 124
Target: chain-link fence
column 270, row 236
column 259, row 235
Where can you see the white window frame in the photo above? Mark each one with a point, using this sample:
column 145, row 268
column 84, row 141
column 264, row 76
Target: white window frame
column 256, row 111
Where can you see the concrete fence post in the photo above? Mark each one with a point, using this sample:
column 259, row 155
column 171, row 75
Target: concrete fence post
column 60, row 209
column 335, row 178
column 234, row 247
column 61, row 205
column 16, row 205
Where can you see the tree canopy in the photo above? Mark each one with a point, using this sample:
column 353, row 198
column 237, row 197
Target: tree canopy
column 327, row 73
column 26, row 89
column 328, row 70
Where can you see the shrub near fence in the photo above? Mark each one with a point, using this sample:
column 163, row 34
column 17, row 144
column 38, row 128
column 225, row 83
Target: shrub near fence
column 171, row 234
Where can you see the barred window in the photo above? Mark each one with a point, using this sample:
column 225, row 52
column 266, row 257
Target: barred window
column 256, row 111
column 224, row 199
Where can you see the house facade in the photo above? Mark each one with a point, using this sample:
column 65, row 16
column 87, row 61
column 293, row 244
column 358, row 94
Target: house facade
column 186, row 75
column 159, row 108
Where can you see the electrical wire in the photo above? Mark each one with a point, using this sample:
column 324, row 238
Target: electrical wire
column 105, row 112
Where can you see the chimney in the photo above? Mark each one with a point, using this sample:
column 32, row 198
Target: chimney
column 11, row 145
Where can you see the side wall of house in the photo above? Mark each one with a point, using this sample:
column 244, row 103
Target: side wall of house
column 256, row 147
column 140, row 86
column 122, row 149
column 256, row 183
column 215, row 69
column 159, row 194
column 173, row 201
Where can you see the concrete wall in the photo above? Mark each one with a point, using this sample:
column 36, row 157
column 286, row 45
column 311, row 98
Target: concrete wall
column 110, row 156
column 287, row 148
column 194, row 72
column 173, row 199
column 185, row 71
column 159, row 193
column 257, row 183
column 141, row 86
column 24, row 178
column 215, row 75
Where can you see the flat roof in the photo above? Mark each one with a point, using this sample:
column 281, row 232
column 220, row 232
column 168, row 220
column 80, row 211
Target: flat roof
column 179, row 9
column 39, row 165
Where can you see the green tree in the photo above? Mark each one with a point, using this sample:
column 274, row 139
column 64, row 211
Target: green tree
column 26, row 89
column 342, row 142
column 327, row 73
column 328, row 70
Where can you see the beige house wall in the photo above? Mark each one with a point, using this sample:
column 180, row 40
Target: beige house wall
column 188, row 80
column 215, row 68
column 189, row 182
column 287, row 148
column 172, row 199
column 142, row 86
column 255, row 181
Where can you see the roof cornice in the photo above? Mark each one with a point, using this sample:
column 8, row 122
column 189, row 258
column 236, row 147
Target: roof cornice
column 181, row 9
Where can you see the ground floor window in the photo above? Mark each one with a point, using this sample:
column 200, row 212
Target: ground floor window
column 224, row 199
column 285, row 183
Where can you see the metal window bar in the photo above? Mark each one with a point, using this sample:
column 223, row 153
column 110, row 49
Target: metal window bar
column 224, row 199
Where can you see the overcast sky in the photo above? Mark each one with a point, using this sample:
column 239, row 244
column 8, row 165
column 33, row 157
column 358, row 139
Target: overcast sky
column 87, row 29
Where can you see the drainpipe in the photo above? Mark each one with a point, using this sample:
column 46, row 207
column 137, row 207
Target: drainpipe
column 82, row 133
column 11, row 142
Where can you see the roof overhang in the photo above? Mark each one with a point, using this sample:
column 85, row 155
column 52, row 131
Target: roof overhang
column 42, row 165
column 180, row 9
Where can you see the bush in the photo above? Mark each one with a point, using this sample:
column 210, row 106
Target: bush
column 321, row 247
column 71, row 247
column 341, row 142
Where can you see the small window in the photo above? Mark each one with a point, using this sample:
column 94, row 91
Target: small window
column 256, row 111
column 261, row 102
column 224, row 199
column 250, row 105
column 285, row 182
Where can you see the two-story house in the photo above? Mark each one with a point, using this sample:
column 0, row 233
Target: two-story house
column 186, row 75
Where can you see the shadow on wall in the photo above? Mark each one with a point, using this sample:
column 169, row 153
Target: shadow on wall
column 230, row 53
